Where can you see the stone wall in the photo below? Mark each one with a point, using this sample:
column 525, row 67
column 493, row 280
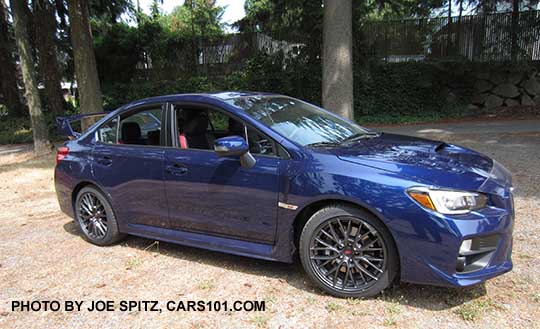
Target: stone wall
column 500, row 86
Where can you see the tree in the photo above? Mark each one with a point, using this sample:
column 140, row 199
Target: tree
column 337, row 77
column 195, row 18
column 45, row 31
column 108, row 11
column 515, row 30
column 84, row 58
column 39, row 128
column 8, row 70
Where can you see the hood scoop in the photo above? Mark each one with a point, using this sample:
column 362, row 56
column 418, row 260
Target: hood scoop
column 441, row 147
column 433, row 162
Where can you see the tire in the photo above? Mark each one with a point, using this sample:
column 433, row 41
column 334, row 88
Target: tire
column 96, row 218
column 361, row 265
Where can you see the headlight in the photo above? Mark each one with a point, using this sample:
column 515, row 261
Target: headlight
column 448, row 201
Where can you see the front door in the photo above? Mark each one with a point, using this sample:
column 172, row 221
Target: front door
column 216, row 195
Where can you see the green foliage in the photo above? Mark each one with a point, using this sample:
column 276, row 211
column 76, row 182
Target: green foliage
column 409, row 92
column 116, row 48
column 383, row 93
column 15, row 130
column 296, row 76
column 118, row 94
column 201, row 18
column 396, row 89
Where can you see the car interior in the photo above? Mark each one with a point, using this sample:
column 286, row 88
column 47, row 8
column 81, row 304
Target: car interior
column 142, row 128
column 198, row 129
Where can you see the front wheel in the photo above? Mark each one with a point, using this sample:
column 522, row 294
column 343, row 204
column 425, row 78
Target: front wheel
column 348, row 252
column 96, row 217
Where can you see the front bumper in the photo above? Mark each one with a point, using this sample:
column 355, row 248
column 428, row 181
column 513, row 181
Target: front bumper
column 434, row 256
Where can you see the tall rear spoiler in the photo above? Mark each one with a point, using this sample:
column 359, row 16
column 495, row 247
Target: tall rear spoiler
column 64, row 127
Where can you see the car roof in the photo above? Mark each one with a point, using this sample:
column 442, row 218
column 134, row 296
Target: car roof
column 220, row 96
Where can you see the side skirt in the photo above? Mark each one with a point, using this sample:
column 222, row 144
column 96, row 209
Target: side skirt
column 226, row 245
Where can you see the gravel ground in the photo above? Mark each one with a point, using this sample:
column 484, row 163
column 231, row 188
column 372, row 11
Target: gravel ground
column 43, row 257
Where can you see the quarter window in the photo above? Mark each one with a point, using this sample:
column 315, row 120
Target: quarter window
column 107, row 133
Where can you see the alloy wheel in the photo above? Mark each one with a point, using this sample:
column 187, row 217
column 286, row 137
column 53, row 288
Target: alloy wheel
column 348, row 254
column 93, row 216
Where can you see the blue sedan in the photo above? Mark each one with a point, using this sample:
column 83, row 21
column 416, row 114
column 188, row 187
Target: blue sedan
column 269, row 176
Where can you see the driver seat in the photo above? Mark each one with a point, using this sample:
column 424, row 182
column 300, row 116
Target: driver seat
column 194, row 127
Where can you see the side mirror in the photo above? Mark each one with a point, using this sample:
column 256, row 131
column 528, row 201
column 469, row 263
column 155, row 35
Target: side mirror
column 232, row 146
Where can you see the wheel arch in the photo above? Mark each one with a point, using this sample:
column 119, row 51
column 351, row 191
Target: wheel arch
column 310, row 209
column 84, row 184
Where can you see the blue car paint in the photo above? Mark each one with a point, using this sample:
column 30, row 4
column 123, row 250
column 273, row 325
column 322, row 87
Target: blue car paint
column 231, row 145
column 244, row 218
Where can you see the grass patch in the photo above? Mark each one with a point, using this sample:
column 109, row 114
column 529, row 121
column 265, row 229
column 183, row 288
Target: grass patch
column 261, row 321
column 472, row 310
column 311, row 300
column 393, row 309
column 133, row 263
column 271, row 299
column 206, row 285
column 389, row 322
column 333, row 307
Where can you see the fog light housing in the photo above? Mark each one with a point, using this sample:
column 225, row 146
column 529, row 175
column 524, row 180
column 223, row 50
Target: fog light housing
column 465, row 246
column 474, row 254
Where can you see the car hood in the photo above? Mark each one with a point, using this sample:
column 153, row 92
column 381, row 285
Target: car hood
column 430, row 162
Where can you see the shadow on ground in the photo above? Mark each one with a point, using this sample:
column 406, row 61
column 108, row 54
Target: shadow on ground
column 418, row 296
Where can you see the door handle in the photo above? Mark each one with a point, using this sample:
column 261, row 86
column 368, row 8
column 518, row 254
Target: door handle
column 104, row 160
column 177, row 169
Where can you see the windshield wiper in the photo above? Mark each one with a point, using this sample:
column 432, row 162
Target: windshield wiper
column 354, row 137
column 316, row 144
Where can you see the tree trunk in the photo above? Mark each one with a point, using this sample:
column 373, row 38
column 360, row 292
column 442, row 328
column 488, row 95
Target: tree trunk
column 39, row 128
column 459, row 32
column 85, row 61
column 449, row 30
column 515, row 30
column 8, row 70
column 337, row 77
column 45, row 23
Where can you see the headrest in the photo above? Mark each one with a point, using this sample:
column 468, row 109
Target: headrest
column 236, row 127
column 196, row 124
column 153, row 137
column 131, row 131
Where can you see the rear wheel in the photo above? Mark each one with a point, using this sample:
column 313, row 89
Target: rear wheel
column 96, row 217
column 347, row 252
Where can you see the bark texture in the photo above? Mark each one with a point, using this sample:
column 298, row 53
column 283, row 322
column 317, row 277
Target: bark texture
column 20, row 25
column 9, row 90
column 337, row 79
column 90, row 97
column 45, row 23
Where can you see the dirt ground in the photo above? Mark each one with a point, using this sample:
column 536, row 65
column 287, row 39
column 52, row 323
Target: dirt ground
column 44, row 257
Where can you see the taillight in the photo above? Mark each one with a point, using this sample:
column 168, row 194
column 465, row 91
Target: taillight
column 61, row 153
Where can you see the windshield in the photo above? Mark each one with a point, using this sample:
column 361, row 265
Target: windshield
column 298, row 121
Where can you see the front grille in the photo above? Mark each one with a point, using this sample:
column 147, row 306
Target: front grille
column 475, row 253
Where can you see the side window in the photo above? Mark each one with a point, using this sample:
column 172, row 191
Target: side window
column 259, row 144
column 198, row 129
column 107, row 132
column 218, row 120
column 141, row 128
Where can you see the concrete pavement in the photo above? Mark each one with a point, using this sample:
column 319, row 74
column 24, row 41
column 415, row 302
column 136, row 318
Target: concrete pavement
column 470, row 127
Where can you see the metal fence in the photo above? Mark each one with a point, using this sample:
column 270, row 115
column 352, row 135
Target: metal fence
column 479, row 38
column 482, row 38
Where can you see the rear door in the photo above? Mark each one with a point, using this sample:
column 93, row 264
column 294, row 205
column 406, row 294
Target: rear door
column 128, row 163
